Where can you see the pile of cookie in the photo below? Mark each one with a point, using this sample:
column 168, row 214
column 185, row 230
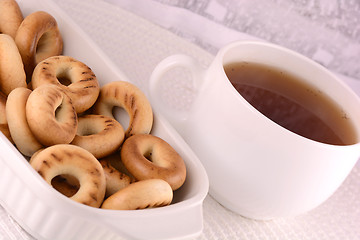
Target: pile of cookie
column 53, row 109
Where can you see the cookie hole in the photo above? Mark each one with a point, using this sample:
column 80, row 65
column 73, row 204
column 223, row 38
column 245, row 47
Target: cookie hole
column 121, row 116
column 87, row 128
column 63, row 77
column 86, row 132
column 58, row 112
column 43, row 47
column 42, row 43
column 61, row 112
column 66, row 184
column 149, row 155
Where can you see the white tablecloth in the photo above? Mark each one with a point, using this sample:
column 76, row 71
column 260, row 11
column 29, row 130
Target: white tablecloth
column 136, row 45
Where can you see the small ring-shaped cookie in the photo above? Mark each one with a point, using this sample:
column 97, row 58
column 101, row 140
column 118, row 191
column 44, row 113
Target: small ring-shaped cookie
column 51, row 115
column 127, row 96
column 100, row 135
column 147, row 156
column 20, row 132
column 73, row 76
column 12, row 74
column 140, row 195
column 38, row 37
column 65, row 159
column 10, row 17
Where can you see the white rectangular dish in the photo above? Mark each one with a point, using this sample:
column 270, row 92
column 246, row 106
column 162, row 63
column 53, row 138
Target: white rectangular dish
column 47, row 214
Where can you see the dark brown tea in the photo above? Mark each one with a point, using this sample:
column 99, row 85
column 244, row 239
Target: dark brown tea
column 291, row 103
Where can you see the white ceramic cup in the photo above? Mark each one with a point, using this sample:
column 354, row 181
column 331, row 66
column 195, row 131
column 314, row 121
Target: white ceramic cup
column 257, row 168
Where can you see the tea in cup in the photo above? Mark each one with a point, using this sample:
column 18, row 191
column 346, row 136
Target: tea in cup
column 276, row 132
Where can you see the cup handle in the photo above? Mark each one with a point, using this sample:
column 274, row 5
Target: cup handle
column 175, row 116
